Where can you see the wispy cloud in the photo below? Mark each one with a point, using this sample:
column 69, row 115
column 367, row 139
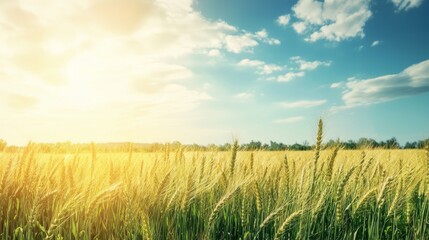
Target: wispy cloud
column 303, row 66
column 331, row 20
column 269, row 69
column 250, row 63
column 246, row 41
column 375, row 43
column 262, row 35
column 213, row 53
column 337, row 85
column 405, row 5
column 260, row 66
column 287, row 77
column 289, row 120
column 309, row 65
column 244, row 95
column 264, row 68
column 411, row 81
column 303, row 104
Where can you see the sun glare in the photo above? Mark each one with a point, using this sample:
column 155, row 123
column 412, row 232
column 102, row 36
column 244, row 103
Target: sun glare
column 55, row 46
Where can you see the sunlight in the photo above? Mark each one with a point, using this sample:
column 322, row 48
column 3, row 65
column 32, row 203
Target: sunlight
column 81, row 74
column 188, row 119
column 55, row 46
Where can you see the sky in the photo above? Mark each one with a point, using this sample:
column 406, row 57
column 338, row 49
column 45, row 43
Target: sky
column 208, row 71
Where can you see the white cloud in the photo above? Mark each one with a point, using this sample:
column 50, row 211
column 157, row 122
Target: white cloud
column 214, row 53
column 309, row 11
column 289, row 76
column 222, row 25
column 303, row 104
column 375, row 43
column 64, row 59
column 405, row 5
column 411, row 81
column 289, row 120
column 283, row 20
column 240, row 43
column 44, row 43
column 309, row 65
column 299, row 27
column 353, row 78
column 269, row 69
column 244, row 95
column 337, row 85
column 261, row 67
column 312, row 65
column 303, row 66
column 332, row 20
column 250, row 63
column 262, row 35
column 246, row 41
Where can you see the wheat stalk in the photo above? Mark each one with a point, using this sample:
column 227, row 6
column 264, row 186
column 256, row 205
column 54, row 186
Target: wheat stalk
column 317, row 152
column 287, row 224
column 396, row 203
column 233, row 158
column 339, row 195
column 365, row 201
column 385, row 190
column 271, row 216
column 220, row 204
column 331, row 160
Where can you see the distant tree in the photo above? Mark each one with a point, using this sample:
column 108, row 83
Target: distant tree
column 296, row 147
column 306, row 144
column 423, row 143
column 410, row 145
column 253, row 145
column 350, row 144
column 265, row 146
column 274, row 146
column 299, row 147
column 330, row 144
column 224, row 147
column 392, row 143
column 365, row 143
column 195, row 147
column 213, row 147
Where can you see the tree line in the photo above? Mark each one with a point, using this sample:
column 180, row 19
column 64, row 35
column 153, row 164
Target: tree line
column 362, row 143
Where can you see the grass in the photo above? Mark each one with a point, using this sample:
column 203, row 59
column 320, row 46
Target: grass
column 324, row 194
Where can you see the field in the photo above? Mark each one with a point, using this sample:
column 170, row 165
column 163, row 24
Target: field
column 329, row 194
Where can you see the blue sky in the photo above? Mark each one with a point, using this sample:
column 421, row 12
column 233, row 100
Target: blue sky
column 402, row 41
column 206, row 71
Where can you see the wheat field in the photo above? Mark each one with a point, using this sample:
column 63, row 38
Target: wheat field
column 319, row 194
